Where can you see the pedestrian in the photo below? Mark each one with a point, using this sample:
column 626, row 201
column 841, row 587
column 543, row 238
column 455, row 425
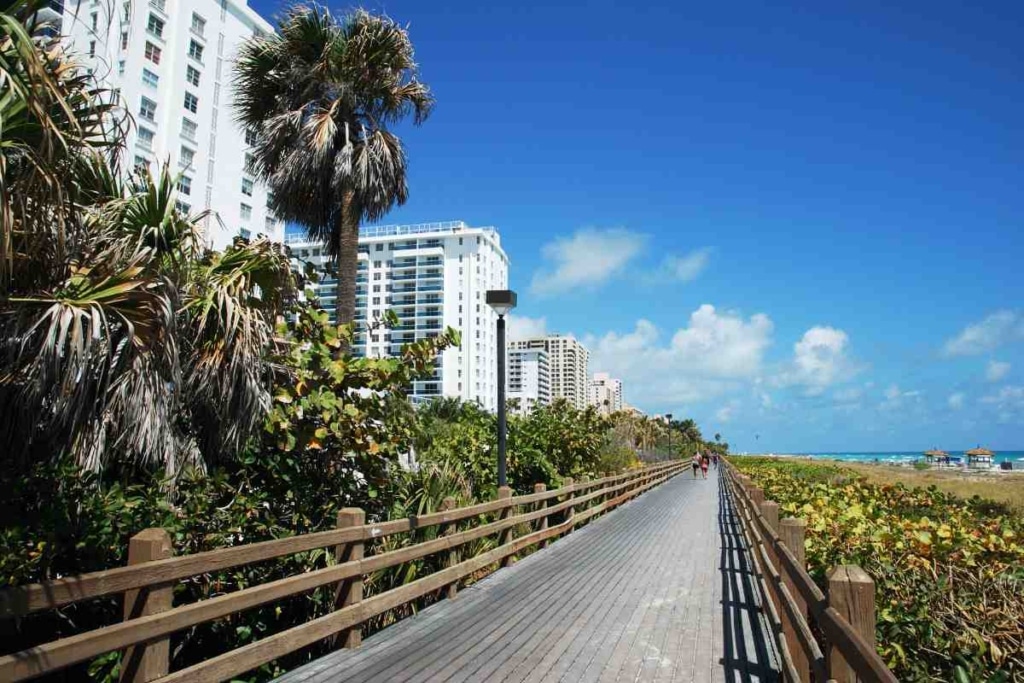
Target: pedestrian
column 704, row 466
column 714, row 460
column 695, row 463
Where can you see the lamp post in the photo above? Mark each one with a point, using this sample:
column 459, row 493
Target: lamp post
column 502, row 301
column 668, row 416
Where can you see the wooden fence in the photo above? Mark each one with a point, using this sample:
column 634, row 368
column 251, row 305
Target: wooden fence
column 798, row 609
column 147, row 583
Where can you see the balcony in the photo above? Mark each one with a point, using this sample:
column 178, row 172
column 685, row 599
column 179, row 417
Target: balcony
column 430, row 288
column 430, row 261
column 403, row 263
column 404, row 276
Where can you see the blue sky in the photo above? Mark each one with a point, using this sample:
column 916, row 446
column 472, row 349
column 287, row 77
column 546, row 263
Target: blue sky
column 803, row 224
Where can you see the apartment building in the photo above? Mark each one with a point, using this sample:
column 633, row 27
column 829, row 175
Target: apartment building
column 529, row 378
column 568, row 361
column 170, row 62
column 432, row 275
column 605, row 393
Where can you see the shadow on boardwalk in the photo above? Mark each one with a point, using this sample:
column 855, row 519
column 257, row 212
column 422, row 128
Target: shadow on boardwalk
column 748, row 654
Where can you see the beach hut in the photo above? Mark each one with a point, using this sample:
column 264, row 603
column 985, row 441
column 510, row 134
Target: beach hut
column 936, row 457
column 979, row 457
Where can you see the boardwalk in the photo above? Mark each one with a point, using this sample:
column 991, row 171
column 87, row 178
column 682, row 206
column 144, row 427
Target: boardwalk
column 659, row 590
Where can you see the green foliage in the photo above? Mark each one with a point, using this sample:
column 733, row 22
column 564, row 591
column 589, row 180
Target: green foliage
column 949, row 572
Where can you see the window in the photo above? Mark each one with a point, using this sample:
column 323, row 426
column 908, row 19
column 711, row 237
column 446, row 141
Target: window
column 150, row 78
column 124, row 40
column 269, row 224
column 92, row 48
column 147, row 109
column 145, row 138
column 376, row 276
column 270, row 200
column 250, row 137
column 198, row 24
column 380, row 247
column 195, row 51
column 246, row 212
column 191, row 102
column 95, row 20
column 152, row 52
column 182, row 207
column 141, row 163
column 188, row 129
column 244, row 233
column 120, row 68
column 159, row 4
column 155, row 26
column 376, row 288
column 186, row 157
column 250, row 163
column 192, row 75
column 247, row 187
column 376, row 301
column 185, row 185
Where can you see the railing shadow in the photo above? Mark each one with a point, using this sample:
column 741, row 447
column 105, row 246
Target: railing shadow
column 749, row 654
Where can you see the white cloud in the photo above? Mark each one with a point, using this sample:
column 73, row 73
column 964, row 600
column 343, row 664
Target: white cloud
column 956, row 401
column 728, row 411
column 586, row 259
column 997, row 329
column 687, row 267
column 819, row 360
column 522, row 327
column 1008, row 402
column 714, row 353
column 996, row 370
column 896, row 398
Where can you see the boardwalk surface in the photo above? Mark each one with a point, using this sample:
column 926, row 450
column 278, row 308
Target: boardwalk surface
column 659, row 590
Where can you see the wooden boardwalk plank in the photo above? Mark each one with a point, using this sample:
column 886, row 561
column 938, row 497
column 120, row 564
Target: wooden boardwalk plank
column 659, row 590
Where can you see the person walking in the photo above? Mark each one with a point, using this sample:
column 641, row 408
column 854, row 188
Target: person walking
column 704, row 466
column 695, row 463
column 714, row 460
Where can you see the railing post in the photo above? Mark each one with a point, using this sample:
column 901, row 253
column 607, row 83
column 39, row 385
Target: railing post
column 770, row 512
column 585, row 479
column 791, row 532
column 144, row 663
column 505, row 493
column 542, row 523
column 570, row 512
column 453, row 555
column 852, row 593
column 757, row 497
column 349, row 591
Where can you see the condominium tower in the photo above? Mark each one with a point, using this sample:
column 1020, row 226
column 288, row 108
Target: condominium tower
column 605, row 393
column 170, row 61
column 432, row 275
column 529, row 378
column 568, row 360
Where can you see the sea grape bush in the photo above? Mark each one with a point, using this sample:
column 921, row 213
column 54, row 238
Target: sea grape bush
column 949, row 572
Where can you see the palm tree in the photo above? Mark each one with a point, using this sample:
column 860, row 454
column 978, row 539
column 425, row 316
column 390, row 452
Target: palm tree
column 320, row 95
column 121, row 338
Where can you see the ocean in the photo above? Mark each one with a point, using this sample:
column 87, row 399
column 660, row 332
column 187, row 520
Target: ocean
column 1015, row 457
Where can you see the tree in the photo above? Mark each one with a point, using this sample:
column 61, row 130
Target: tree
column 320, row 95
column 121, row 338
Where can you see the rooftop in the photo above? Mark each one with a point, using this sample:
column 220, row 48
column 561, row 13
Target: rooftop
column 377, row 231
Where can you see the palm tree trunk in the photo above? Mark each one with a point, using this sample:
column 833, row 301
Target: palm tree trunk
column 347, row 236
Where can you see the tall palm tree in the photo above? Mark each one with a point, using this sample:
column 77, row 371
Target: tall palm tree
column 320, row 95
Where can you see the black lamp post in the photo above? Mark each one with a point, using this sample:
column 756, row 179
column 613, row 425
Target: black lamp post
column 668, row 416
column 502, row 301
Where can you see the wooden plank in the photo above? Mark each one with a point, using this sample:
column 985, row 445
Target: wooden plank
column 349, row 591
column 792, row 532
column 851, row 592
column 142, row 664
column 453, row 554
column 541, row 504
column 505, row 493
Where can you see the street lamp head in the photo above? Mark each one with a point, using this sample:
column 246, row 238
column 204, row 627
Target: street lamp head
column 501, row 300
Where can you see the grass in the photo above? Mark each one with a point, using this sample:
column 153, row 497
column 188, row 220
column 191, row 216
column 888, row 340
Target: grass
column 1005, row 488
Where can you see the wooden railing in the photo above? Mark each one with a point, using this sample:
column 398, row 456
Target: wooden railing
column 798, row 609
column 147, row 582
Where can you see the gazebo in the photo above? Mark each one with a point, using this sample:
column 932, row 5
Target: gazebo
column 979, row 457
column 935, row 456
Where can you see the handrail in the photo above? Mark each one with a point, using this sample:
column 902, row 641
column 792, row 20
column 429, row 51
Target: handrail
column 838, row 632
column 145, row 629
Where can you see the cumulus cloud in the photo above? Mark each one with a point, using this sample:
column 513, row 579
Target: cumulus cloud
column 715, row 352
column 522, row 327
column 896, row 398
column 586, row 259
column 728, row 411
column 997, row 329
column 956, row 401
column 687, row 267
column 820, row 359
column 996, row 370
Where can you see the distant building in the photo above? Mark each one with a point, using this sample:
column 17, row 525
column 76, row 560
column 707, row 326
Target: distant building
column 432, row 275
column 568, row 360
column 170, row 62
column 529, row 378
column 605, row 393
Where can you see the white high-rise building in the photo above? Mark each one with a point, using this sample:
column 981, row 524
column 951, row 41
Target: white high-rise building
column 170, row 60
column 529, row 378
column 568, row 360
column 433, row 275
column 605, row 393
